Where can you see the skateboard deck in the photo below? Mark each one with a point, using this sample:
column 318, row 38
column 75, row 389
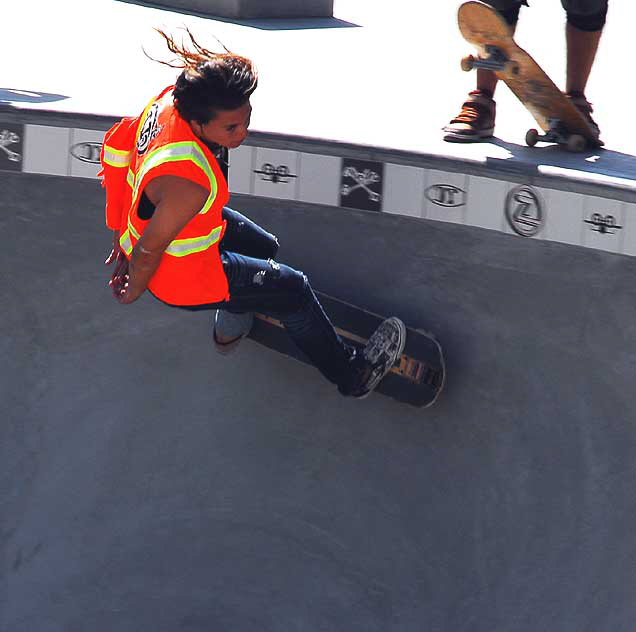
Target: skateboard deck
column 418, row 376
column 483, row 27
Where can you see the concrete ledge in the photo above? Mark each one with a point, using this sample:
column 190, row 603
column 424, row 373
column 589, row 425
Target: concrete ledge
column 249, row 9
column 578, row 209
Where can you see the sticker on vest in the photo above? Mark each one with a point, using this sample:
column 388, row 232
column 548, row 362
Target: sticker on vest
column 149, row 129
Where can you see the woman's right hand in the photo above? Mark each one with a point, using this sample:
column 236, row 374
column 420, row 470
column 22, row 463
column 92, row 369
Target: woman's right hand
column 119, row 278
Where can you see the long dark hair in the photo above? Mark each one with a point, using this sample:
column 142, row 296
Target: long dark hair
column 210, row 81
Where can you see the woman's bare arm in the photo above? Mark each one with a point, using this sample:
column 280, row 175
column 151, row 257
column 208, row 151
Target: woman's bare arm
column 177, row 201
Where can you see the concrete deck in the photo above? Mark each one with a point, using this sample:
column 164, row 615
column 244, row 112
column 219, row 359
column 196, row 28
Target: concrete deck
column 370, row 76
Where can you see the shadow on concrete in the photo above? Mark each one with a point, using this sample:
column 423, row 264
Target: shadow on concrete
column 269, row 24
column 13, row 95
column 597, row 161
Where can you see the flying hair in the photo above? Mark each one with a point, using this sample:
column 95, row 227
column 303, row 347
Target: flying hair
column 210, row 81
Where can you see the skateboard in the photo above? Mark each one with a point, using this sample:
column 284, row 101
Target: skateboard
column 417, row 377
column 560, row 120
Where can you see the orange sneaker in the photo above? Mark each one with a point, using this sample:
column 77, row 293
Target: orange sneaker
column 475, row 121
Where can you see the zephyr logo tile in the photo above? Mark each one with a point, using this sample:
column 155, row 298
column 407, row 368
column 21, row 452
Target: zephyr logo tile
column 604, row 224
column 524, row 211
column 11, row 143
column 275, row 174
column 87, row 152
column 446, row 195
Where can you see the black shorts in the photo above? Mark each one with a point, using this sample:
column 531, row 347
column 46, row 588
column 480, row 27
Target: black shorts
column 588, row 15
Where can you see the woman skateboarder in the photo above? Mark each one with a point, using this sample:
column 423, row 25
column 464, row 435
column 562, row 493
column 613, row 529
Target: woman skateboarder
column 165, row 197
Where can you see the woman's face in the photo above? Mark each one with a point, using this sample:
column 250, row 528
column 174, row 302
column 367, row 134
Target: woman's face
column 228, row 128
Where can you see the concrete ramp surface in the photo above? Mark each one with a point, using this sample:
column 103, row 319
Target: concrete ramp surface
column 147, row 484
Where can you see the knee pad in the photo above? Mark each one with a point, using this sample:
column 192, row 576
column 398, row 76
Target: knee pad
column 590, row 23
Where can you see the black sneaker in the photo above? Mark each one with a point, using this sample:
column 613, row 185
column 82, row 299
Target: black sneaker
column 375, row 360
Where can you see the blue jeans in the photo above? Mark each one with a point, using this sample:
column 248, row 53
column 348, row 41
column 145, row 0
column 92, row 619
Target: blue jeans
column 259, row 284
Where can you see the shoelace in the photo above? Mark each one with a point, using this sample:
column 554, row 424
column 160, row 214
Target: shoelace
column 469, row 114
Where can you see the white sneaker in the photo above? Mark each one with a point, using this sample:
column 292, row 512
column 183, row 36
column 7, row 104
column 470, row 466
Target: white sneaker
column 232, row 327
column 373, row 362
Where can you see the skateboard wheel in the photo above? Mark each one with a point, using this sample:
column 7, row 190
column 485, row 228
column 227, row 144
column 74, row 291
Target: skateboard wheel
column 576, row 143
column 532, row 136
column 468, row 63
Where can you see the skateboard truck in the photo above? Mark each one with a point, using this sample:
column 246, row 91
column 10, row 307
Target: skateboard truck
column 557, row 133
column 496, row 60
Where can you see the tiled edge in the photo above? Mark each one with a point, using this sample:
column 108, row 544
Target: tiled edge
column 241, row 170
column 604, row 224
column 564, row 216
column 404, row 190
column 319, row 183
column 524, row 211
column 83, row 153
column 352, row 183
column 446, row 196
column 629, row 234
column 46, row 150
column 12, row 145
column 275, row 174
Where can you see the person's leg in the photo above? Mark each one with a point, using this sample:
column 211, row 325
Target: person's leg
column 243, row 236
column 476, row 119
column 279, row 291
column 246, row 237
column 585, row 22
column 582, row 47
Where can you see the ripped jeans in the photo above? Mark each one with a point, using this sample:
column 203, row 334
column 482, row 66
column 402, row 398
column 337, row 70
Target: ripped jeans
column 260, row 284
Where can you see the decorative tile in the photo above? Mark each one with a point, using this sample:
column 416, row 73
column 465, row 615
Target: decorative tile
column 11, row 146
column 603, row 224
column 361, row 184
column 564, row 214
column 486, row 198
column 446, row 196
column 403, row 190
column 629, row 237
column 525, row 211
column 241, row 167
column 83, row 153
column 275, row 174
column 46, row 149
column 321, row 179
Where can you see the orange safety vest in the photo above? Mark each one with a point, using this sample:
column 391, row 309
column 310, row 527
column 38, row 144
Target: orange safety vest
column 160, row 142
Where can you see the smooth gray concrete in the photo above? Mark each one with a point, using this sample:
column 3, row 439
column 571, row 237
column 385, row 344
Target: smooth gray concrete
column 148, row 484
column 251, row 9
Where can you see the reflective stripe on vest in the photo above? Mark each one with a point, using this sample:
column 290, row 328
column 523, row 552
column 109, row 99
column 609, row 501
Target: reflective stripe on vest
column 116, row 157
column 177, row 247
column 174, row 152
column 125, row 242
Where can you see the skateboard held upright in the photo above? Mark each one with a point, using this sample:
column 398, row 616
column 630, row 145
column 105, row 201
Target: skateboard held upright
column 558, row 117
